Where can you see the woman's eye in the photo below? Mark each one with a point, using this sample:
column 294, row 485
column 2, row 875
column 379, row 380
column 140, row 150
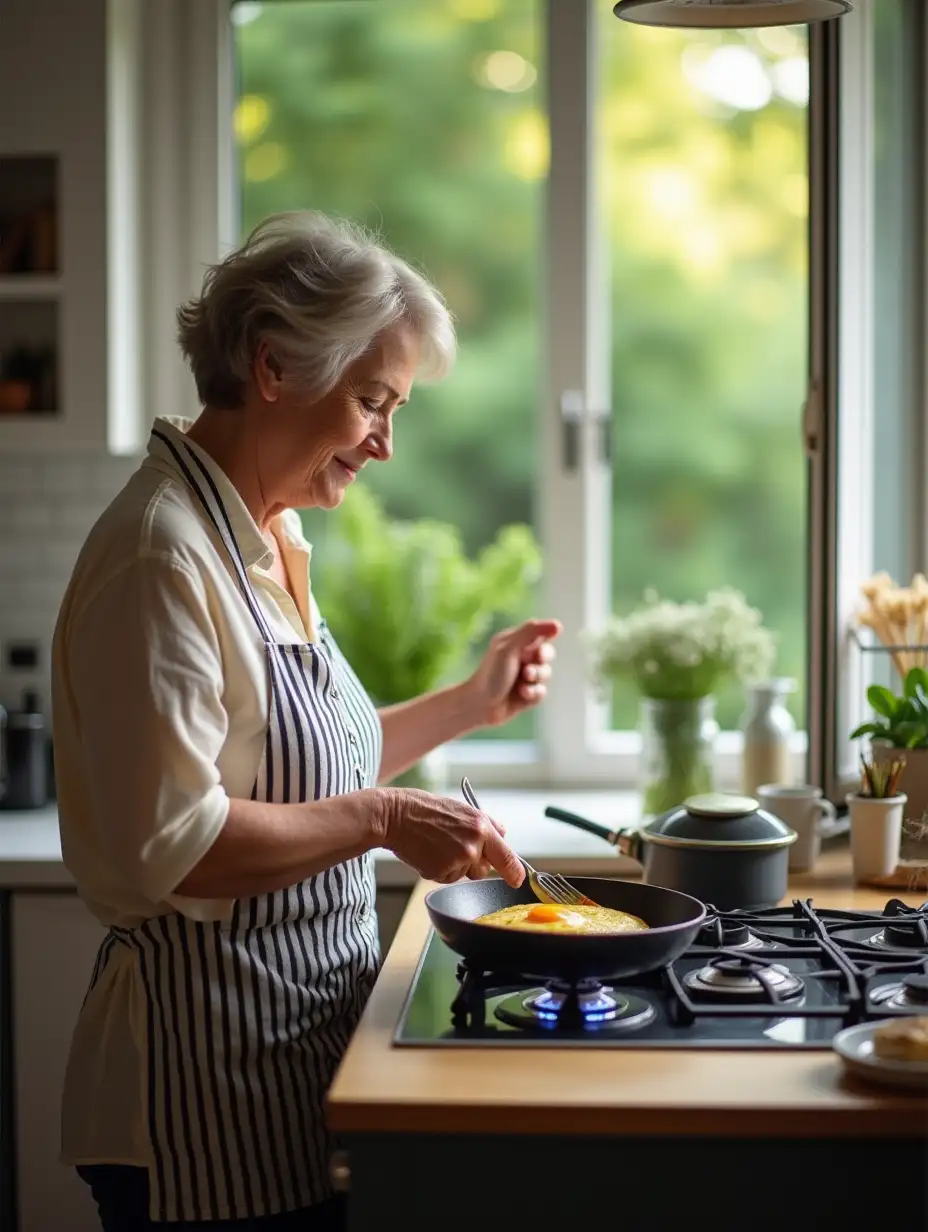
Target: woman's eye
column 370, row 406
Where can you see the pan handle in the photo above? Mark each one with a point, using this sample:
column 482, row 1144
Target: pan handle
column 591, row 827
column 627, row 841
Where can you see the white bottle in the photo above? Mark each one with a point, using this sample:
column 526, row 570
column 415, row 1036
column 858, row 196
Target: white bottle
column 768, row 727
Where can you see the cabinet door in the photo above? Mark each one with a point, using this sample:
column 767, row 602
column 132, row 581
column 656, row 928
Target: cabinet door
column 54, row 944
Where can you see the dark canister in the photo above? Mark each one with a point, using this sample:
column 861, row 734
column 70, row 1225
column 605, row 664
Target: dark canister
column 2, row 754
column 26, row 756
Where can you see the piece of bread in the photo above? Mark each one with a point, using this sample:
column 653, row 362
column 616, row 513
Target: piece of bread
column 903, row 1039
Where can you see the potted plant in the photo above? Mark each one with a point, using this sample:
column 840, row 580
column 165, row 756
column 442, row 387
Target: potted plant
column 876, row 819
column 407, row 604
column 899, row 732
column 677, row 655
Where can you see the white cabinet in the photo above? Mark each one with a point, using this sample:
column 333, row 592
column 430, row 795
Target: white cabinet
column 68, row 160
column 125, row 106
column 54, row 944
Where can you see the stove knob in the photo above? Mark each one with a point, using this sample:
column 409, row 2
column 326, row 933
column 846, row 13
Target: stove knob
column 340, row 1172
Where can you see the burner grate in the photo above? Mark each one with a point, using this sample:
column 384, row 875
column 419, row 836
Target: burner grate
column 833, row 948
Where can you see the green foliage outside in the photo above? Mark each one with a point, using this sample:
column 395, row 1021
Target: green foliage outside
column 426, row 121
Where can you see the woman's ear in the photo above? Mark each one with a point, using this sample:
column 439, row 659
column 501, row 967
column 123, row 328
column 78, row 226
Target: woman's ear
column 268, row 373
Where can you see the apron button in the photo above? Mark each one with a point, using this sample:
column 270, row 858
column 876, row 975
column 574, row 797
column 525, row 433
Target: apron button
column 352, row 738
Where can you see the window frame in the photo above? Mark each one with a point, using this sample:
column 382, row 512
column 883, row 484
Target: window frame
column 191, row 218
column 840, row 422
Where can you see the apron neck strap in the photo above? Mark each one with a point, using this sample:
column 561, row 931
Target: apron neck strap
column 206, row 492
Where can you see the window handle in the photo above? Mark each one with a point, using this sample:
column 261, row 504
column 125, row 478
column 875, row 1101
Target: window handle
column 572, row 411
column 605, row 437
column 573, row 415
column 812, row 420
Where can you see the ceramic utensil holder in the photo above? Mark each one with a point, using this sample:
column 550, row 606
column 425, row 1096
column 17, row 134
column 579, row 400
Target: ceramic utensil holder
column 876, row 835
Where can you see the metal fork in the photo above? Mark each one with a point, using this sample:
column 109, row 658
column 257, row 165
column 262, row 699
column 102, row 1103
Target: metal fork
column 547, row 887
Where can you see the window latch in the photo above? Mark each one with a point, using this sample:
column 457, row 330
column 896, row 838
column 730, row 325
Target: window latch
column 813, row 420
column 573, row 416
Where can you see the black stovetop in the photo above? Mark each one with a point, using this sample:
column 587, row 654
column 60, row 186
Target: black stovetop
column 788, row 977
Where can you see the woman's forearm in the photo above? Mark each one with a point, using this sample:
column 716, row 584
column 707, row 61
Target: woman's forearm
column 412, row 729
column 265, row 847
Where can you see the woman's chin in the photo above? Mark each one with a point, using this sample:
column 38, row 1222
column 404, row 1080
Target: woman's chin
column 329, row 498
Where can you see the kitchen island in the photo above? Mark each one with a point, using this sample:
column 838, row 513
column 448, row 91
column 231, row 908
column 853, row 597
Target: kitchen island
column 644, row 1138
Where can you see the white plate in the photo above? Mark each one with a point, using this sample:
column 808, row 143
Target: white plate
column 855, row 1047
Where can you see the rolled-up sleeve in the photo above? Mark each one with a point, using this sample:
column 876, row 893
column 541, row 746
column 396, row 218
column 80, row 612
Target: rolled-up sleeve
column 146, row 676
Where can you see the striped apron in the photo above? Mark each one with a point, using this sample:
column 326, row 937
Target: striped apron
column 248, row 1018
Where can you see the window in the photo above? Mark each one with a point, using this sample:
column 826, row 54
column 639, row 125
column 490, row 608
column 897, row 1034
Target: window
column 621, row 219
column 866, row 420
column 427, row 126
column 703, row 153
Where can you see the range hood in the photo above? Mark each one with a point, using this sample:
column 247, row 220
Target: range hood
column 728, row 14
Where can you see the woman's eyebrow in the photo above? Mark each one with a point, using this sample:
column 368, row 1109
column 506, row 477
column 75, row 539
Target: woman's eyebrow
column 390, row 390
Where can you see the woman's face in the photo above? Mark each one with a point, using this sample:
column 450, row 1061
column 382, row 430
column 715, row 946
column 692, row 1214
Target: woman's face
column 310, row 450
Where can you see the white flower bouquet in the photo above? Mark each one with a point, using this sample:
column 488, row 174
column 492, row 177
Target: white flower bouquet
column 677, row 655
column 684, row 651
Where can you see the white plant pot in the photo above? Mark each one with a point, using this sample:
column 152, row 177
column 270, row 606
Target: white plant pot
column 876, row 835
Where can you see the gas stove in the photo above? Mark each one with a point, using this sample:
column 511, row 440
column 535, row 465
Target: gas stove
column 787, row 977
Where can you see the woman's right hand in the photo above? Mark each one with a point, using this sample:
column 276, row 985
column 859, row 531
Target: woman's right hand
column 445, row 840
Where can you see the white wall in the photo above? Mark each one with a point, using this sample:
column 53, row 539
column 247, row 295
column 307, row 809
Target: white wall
column 47, row 506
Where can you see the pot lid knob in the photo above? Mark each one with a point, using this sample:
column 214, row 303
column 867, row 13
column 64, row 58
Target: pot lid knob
column 720, row 804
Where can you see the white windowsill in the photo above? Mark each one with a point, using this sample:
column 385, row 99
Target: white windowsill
column 544, row 842
column 30, row 846
column 613, row 762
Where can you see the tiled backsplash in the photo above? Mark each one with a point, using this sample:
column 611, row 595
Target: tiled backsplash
column 47, row 506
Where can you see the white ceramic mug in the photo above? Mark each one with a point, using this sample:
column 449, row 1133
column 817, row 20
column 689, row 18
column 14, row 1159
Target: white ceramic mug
column 803, row 809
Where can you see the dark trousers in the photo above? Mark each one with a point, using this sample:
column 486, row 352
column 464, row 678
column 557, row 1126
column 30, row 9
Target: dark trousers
column 121, row 1195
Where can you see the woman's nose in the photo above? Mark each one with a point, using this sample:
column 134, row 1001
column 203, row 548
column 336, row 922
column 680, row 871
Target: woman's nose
column 380, row 445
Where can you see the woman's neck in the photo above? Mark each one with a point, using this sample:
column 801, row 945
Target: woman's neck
column 229, row 439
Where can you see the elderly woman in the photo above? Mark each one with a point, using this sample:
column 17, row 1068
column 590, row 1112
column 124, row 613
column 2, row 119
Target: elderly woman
column 218, row 761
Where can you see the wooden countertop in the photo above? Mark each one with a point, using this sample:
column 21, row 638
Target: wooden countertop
column 381, row 1088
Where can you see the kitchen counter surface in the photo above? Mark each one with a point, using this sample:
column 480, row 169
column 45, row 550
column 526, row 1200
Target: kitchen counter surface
column 380, row 1088
column 30, row 850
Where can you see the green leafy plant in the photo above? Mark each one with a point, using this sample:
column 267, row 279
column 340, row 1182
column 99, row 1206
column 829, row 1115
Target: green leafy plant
column 406, row 603
column 901, row 719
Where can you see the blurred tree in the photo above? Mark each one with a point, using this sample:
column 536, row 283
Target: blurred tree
column 427, row 123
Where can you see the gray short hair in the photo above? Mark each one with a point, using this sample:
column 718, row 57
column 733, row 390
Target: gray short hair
column 319, row 291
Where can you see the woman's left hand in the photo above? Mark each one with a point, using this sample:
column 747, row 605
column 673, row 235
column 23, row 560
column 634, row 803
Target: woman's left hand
column 514, row 672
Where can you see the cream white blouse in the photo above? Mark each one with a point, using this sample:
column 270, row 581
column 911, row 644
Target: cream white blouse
column 146, row 758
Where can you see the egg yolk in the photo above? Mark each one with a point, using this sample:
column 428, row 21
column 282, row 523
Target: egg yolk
column 550, row 913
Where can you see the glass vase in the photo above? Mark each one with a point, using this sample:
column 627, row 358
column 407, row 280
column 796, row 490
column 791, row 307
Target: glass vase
column 678, row 746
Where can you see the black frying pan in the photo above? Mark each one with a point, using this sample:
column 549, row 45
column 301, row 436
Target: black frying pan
column 673, row 921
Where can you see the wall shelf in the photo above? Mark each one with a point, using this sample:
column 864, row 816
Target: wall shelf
column 30, row 286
